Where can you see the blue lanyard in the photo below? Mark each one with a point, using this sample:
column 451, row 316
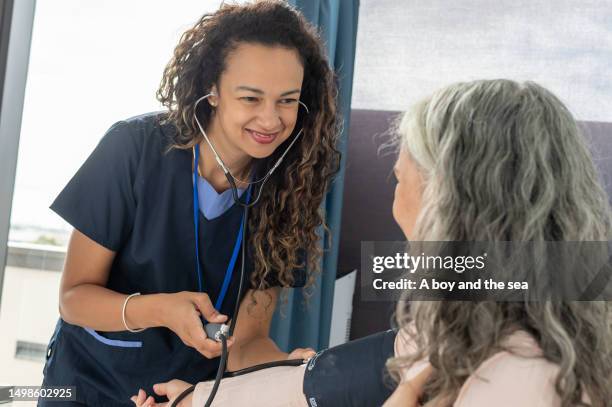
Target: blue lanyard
column 196, row 209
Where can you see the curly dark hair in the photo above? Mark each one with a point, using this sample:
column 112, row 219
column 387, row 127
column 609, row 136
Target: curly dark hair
column 286, row 222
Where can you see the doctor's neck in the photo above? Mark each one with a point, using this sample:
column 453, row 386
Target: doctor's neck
column 236, row 160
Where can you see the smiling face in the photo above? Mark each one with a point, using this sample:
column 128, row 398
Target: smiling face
column 256, row 103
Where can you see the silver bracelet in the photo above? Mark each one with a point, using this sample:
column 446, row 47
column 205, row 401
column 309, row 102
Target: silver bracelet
column 123, row 314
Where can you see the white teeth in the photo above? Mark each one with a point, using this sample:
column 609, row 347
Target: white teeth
column 262, row 135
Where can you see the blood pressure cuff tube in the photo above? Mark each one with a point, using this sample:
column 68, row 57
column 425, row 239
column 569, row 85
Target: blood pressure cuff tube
column 352, row 374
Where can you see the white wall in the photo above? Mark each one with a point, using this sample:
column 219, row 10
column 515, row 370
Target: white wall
column 408, row 49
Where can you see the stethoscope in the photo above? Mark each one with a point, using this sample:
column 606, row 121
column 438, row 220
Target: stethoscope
column 221, row 332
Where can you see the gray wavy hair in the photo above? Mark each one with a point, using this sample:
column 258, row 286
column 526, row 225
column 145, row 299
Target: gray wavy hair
column 505, row 161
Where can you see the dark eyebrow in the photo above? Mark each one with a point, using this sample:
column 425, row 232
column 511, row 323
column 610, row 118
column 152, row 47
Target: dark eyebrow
column 249, row 89
column 290, row 92
column 261, row 92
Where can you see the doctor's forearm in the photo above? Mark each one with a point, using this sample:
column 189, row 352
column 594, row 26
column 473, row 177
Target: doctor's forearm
column 256, row 351
column 99, row 308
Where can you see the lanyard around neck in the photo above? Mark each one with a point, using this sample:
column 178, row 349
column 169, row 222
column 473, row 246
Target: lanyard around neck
column 196, row 209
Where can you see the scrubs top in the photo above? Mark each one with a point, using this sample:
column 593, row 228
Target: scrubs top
column 134, row 196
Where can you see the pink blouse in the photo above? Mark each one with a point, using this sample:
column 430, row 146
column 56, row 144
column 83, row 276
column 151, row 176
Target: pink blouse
column 507, row 379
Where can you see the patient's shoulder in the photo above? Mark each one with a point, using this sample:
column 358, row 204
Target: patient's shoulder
column 514, row 377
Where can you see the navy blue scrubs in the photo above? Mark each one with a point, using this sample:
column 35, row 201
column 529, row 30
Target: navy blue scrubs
column 135, row 197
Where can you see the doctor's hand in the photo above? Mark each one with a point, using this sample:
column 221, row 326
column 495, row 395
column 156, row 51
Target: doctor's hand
column 181, row 314
column 171, row 390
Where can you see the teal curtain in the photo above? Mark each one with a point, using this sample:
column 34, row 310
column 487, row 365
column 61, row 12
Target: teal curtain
column 302, row 322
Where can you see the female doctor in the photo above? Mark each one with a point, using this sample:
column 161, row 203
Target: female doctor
column 248, row 86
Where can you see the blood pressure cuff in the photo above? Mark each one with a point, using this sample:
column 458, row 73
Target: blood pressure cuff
column 352, row 374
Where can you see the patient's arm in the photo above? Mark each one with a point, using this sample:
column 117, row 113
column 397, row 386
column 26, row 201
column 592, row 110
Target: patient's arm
column 349, row 375
column 274, row 387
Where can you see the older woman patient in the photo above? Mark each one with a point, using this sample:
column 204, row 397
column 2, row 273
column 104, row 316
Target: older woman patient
column 501, row 161
column 488, row 160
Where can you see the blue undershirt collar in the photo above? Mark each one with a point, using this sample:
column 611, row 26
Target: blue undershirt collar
column 213, row 204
